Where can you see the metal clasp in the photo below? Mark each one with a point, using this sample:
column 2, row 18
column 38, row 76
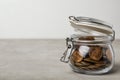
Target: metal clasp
column 67, row 53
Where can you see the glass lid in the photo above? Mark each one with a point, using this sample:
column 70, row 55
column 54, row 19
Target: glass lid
column 92, row 26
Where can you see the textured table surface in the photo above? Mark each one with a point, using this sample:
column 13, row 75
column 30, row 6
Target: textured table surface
column 39, row 60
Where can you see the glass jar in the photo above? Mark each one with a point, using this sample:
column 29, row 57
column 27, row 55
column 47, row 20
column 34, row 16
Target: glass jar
column 89, row 49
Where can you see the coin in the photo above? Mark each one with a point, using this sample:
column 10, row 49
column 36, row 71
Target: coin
column 90, row 60
column 95, row 53
column 76, row 56
column 82, row 64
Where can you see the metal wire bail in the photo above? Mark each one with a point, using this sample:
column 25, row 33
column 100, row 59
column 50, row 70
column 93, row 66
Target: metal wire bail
column 65, row 57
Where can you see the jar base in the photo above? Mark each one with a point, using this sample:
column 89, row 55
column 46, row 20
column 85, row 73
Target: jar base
column 97, row 72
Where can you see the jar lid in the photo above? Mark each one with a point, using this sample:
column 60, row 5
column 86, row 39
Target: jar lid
column 92, row 26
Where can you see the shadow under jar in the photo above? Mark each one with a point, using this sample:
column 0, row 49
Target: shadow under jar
column 89, row 54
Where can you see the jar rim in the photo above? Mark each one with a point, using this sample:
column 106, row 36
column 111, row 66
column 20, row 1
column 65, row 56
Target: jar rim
column 98, row 39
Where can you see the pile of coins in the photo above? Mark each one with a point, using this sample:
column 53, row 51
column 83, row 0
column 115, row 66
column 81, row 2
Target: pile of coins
column 92, row 57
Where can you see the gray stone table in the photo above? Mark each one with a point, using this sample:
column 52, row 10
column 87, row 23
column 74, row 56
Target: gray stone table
column 35, row 59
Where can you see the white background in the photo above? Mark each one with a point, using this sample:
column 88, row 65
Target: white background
column 49, row 18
